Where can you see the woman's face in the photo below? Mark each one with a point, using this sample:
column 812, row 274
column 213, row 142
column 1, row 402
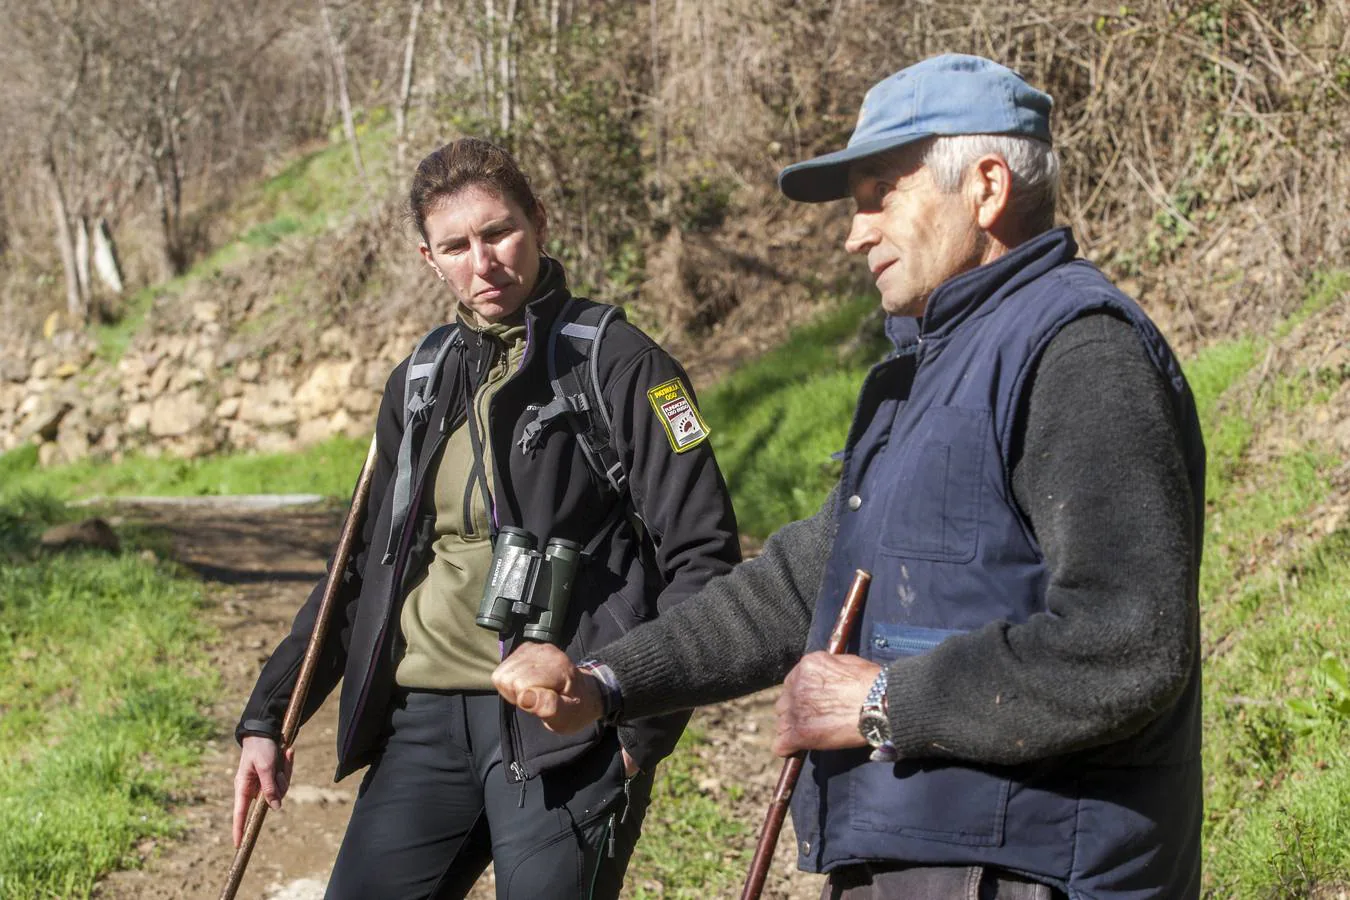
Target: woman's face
column 486, row 249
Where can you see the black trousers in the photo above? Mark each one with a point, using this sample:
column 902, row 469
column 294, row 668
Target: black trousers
column 436, row 807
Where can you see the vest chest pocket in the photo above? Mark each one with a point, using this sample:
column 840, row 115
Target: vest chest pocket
column 937, row 479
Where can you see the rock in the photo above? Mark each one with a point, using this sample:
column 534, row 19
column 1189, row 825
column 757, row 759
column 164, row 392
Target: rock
column 313, row 431
column 110, row 441
column 240, row 435
column 176, row 415
column 273, row 442
column 138, row 417
column 132, row 366
column 361, row 402
column 268, row 405
column 66, row 370
column 335, row 340
column 228, row 408
column 345, row 424
column 13, row 367
column 190, row 447
column 204, row 359
column 205, row 311
column 249, row 370
column 42, row 367
column 309, row 793
column 323, row 390
column 73, row 443
column 104, row 405
column 92, row 533
column 159, row 379
column 48, row 454
column 185, row 378
column 231, row 387
column 46, row 418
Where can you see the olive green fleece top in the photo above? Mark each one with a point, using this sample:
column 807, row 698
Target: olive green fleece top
column 445, row 648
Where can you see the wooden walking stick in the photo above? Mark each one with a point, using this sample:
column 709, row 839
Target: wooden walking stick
column 291, row 724
column 792, row 768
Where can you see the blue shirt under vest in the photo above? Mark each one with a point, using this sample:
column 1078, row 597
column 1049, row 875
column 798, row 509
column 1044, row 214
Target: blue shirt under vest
column 931, row 514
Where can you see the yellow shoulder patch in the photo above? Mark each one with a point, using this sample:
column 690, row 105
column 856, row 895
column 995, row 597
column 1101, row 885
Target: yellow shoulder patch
column 678, row 414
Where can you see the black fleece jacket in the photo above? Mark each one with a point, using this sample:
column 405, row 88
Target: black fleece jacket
column 1099, row 473
column 549, row 490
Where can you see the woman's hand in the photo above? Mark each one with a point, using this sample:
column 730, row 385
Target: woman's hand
column 540, row 679
column 261, row 767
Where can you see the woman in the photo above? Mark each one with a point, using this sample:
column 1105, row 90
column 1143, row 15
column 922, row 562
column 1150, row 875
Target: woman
column 456, row 777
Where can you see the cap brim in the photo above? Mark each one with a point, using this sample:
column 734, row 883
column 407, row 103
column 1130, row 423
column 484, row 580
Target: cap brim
column 826, row 177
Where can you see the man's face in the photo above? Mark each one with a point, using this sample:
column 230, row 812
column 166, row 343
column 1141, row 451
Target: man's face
column 915, row 236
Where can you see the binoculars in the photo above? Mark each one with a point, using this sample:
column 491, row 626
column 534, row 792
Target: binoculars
column 525, row 583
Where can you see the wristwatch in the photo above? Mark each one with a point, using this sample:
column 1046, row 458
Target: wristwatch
column 875, row 724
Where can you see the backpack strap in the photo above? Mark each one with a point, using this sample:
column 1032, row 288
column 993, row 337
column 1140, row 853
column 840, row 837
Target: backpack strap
column 574, row 374
column 419, row 395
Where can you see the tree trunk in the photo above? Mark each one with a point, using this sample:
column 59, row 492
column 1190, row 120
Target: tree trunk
column 339, row 63
column 82, row 258
column 489, row 56
column 409, row 54
column 107, row 267
column 506, row 81
column 65, row 242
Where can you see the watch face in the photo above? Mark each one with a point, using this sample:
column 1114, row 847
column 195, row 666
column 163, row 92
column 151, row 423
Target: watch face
column 875, row 729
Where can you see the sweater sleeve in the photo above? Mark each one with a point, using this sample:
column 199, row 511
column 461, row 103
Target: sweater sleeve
column 741, row 633
column 1102, row 480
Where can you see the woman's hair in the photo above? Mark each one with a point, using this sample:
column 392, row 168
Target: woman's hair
column 468, row 162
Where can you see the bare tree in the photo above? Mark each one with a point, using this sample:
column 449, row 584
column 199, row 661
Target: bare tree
column 339, row 62
column 405, row 89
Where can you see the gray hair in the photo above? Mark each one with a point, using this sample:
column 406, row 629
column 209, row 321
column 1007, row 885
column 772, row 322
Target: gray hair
column 1034, row 166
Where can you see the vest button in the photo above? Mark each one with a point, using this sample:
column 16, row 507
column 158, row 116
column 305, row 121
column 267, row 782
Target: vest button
column 806, row 848
column 854, row 502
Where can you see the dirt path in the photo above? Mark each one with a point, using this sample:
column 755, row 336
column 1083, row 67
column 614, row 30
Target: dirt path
column 259, row 566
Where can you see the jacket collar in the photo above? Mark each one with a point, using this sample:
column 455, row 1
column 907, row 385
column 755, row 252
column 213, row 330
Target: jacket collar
column 545, row 303
column 974, row 293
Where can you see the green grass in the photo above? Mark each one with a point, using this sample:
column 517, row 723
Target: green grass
column 329, row 468
column 102, row 683
column 683, row 851
column 776, row 420
column 1277, row 713
column 1277, row 733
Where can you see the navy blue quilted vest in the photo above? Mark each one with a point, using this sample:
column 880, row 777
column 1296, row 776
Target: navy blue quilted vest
column 930, row 513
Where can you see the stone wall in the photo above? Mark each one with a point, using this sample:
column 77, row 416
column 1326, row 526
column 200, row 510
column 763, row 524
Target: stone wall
column 192, row 391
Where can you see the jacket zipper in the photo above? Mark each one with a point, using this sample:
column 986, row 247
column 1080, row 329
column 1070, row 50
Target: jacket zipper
column 470, row 489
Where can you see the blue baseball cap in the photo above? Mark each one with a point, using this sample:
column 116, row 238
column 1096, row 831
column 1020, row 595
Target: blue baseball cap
column 943, row 95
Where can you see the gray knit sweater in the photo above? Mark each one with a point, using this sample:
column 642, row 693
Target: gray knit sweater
column 1099, row 473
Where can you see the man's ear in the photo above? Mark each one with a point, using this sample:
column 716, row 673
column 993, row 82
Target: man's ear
column 990, row 190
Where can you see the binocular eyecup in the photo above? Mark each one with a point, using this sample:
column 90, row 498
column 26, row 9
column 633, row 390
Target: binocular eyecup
column 525, row 584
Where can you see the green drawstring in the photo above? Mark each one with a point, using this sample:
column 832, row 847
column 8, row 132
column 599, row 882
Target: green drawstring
column 605, row 839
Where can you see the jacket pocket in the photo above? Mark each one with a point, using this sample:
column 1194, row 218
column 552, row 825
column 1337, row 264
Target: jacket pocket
column 933, row 510
column 932, row 800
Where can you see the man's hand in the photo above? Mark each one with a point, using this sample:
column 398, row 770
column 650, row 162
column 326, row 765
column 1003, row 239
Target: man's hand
column 261, row 767
column 820, row 703
column 540, row 679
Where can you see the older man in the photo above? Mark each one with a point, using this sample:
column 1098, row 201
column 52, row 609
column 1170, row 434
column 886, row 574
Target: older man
column 1024, row 479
